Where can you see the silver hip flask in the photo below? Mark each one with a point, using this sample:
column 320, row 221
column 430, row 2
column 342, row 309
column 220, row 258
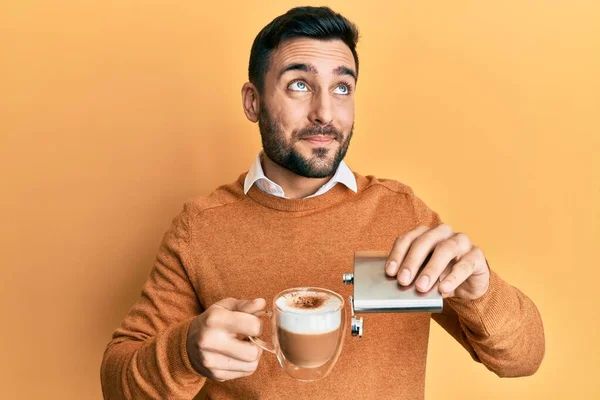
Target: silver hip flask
column 376, row 292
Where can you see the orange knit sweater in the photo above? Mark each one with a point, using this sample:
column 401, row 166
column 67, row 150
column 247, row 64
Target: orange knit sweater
column 229, row 244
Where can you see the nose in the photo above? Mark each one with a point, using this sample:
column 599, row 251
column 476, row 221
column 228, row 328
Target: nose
column 322, row 109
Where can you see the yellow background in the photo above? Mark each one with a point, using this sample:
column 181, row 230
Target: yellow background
column 113, row 113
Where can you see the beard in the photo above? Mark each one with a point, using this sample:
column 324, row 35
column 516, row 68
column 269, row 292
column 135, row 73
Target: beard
column 321, row 164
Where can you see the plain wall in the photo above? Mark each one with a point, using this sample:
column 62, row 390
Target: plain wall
column 113, row 113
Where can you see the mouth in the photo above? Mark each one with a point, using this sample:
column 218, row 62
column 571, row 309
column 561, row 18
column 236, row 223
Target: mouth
column 319, row 139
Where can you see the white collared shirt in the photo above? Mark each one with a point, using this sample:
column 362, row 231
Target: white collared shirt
column 256, row 175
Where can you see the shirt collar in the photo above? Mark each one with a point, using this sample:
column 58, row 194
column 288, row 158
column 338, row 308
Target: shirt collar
column 257, row 176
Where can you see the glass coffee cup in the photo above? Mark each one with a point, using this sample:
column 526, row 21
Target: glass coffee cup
column 308, row 329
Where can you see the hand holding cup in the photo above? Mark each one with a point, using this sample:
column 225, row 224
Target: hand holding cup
column 213, row 346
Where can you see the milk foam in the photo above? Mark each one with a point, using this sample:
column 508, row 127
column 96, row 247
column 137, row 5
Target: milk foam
column 312, row 320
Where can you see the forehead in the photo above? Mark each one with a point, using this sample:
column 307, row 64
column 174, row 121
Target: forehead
column 331, row 53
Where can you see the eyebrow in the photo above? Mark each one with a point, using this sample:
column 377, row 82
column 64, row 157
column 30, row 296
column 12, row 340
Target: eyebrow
column 341, row 70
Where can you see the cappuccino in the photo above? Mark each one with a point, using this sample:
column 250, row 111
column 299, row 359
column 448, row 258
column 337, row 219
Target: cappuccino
column 308, row 327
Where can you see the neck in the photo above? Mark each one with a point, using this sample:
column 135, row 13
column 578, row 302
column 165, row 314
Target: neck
column 294, row 186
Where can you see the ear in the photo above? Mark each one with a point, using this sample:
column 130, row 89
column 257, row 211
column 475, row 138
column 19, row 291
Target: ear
column 251, row 101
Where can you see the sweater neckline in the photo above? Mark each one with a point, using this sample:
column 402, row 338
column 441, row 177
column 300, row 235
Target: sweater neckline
column 335, row 195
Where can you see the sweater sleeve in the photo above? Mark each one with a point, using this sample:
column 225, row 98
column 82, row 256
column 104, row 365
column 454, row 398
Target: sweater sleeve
column 147, row 356
column 502, row 329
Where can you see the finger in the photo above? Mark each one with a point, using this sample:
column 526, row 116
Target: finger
column 220, row 341
column 420, row 248
column 400, row 248
column 247, row 306
column 216, row 361
column 223, row 375
column 236, row 316
column 446, row 251
column 233, row 322
column 461, row 271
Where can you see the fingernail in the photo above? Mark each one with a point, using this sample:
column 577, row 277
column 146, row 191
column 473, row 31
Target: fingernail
column 423, row 282
column 405, row 275
column 392, row 265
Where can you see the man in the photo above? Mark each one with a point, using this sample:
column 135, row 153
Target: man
column 296, row 219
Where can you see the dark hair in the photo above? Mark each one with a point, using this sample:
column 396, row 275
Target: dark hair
column 311, row 22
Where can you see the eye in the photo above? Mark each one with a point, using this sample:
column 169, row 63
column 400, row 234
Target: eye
column 298, row 86
column 342, row 89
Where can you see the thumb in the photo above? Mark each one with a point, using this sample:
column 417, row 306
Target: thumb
column 251, row 306
column 245, row 306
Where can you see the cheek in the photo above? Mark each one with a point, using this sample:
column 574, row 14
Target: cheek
column 346, row 116
column 292, row 115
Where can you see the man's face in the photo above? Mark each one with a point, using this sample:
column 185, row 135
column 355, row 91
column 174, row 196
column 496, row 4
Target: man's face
column 307, row 108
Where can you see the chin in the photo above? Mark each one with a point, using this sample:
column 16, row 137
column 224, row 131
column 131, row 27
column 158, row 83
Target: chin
column 322, row 170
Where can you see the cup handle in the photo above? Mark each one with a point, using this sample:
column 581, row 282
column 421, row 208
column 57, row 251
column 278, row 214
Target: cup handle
column 258, row 341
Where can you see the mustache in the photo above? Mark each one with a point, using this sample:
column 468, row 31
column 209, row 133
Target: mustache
column 327, row 130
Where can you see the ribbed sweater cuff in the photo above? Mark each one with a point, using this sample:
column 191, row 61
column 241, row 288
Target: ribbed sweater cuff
column 487, row 314
column 175, row 356
column 180, row 347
